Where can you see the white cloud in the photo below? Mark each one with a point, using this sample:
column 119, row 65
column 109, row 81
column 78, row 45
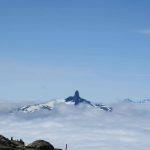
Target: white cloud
column 145, row 31
column 127, row 127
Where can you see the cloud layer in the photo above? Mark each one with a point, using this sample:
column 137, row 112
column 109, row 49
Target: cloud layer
column 127, row 127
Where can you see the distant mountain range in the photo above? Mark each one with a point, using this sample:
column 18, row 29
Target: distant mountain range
column 137, row 102
column 75, row 101
column 71, row 100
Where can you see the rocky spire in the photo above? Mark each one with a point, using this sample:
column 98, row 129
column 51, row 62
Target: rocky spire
column 76, row 97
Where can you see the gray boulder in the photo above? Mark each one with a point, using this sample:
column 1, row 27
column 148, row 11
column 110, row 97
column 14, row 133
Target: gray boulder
column 41, row 145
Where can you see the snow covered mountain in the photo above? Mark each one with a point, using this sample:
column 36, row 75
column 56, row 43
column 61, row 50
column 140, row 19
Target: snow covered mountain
column 71, row 100
column 137, row 102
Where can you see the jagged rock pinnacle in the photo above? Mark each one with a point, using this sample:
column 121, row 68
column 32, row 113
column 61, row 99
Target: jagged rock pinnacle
column 76, row 94
column 76, row 97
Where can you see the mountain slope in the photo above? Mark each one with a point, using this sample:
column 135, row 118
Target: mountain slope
column 71, row 100
column 76, row 99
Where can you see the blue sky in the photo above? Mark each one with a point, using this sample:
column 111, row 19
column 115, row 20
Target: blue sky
column 48, row 49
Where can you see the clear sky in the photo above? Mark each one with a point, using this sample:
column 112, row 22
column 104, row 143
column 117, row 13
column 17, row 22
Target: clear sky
column 50, row 48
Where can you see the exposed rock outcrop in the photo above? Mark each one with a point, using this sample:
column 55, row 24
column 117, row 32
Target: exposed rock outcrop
column 6, row 144
column 41, row 145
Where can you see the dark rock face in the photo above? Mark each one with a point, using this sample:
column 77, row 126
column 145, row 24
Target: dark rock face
column 77, row 99
column 104, row 107
column 6, row 144
column 41, row 145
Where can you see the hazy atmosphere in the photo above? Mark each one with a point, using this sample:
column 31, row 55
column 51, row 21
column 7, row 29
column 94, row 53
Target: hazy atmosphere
column 49, row 49
column 74, row 74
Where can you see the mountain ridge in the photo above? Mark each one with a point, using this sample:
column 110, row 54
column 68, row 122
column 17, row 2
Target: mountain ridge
column 71, row 100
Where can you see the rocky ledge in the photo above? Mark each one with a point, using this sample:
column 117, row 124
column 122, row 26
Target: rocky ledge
column 11, row 144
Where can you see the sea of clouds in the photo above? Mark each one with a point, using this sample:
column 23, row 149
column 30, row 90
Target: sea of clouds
column 127, row 127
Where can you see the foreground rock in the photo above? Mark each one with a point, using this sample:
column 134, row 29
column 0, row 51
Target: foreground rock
column 41, row 145
column 6, row 144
